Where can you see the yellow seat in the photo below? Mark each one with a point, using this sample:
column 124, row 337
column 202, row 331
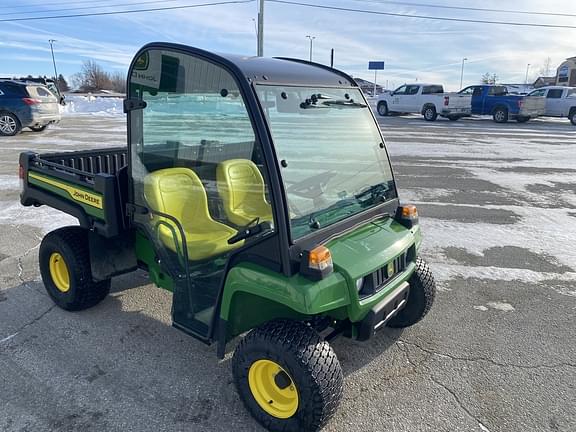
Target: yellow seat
column 179, row 192
column 241, row 186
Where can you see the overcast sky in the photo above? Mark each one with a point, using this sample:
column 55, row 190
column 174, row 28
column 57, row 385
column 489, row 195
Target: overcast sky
column 413, row 48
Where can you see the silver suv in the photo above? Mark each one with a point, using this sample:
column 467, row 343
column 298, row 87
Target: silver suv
column 26, row 104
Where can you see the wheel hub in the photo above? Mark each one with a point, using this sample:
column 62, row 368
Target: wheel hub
column 273, row 389
column 59, row 272
column 7, row 124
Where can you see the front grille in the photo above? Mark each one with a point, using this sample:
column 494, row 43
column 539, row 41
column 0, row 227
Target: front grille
column 377, row 280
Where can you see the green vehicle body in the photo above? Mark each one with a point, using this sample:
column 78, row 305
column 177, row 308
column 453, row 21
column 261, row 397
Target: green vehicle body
column 251, row 293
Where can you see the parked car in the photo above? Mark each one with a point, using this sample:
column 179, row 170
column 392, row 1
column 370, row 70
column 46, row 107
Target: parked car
column 560, row 101
column 25, row 104
column 495, row 100
column 50, row 83
column 426, row 99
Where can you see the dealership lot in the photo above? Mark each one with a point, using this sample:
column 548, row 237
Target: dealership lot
column 496, row 353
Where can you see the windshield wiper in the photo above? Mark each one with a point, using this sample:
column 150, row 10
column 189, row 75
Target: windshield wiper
column 374, row 193
column 345, row 103
column 249, row 230
column 313, row 221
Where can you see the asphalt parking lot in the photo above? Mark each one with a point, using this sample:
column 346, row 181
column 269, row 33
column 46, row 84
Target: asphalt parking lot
column 496, row 353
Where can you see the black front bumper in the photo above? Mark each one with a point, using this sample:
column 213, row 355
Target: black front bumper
column 380, row 314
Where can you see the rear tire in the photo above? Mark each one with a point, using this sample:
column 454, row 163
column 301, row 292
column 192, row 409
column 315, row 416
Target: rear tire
column 500, row 115
column 9, row 124
column 38, row 128
column 65, row 268
column 289, row 360
column 382, row 109
column 522, row 119
column 572, row 116
column 420, row 298
column 430, row 113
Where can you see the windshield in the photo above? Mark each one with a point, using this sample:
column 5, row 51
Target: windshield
column 334, row 163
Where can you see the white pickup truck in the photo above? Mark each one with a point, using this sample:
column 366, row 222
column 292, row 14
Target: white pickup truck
column 560, row 101
column 426, row 99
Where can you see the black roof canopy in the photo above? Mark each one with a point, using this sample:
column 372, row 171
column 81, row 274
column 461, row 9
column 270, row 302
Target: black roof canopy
column 268, row 70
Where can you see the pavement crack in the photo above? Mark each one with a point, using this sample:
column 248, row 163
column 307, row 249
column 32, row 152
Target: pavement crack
column 30, row 323
column 486, row 359
column 458, row 402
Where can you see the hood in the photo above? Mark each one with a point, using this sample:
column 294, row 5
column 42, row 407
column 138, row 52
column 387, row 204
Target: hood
column 371, row 246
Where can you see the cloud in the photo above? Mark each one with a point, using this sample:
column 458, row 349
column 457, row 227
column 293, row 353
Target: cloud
column 412, row 47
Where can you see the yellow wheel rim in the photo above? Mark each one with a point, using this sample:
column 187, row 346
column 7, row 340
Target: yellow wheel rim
column 59, row 272
column 273, row 389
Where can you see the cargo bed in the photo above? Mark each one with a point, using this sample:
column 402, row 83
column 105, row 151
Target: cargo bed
column 90, row 185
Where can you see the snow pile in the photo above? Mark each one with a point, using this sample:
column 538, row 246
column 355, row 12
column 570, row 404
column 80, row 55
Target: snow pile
column 92, row 105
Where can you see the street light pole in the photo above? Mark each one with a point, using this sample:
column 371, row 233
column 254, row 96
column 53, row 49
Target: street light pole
column 51, row 42
column 260, row 30
column 311, row 41
column 527, row 69
column 462, row 72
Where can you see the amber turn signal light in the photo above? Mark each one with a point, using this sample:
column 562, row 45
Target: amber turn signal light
column 409, row 212
column 407, row 215
column 316, row 263
column 320, row 258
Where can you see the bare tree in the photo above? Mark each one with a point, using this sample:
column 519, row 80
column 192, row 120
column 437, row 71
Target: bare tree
column 118, row 80
column 546, row 67
column 489, row 78
column 93, row 77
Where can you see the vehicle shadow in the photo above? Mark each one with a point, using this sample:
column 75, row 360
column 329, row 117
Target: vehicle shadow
column 121, row 363
column 354, row 355
column 117, row 366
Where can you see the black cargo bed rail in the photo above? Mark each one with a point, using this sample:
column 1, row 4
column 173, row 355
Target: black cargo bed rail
column 84, row 165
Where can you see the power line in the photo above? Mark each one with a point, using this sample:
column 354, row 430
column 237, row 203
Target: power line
column 92, row 7
column 127, row 11
column 468, row 8
column 33, row 5
column 426, row 17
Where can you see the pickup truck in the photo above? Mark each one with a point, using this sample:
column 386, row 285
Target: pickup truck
column 560, row 101
column 426, row 99
column 495, row 100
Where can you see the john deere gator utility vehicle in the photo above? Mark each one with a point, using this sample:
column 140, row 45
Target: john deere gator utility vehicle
column 260, row 193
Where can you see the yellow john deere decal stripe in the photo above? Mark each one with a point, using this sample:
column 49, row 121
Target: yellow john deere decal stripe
column 76, row 194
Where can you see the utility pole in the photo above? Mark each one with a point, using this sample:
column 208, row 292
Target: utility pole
column 51, row 42
column 332, row 58
column 527, row 70
column 462, row 72
column 311, row 42
column 261, row 30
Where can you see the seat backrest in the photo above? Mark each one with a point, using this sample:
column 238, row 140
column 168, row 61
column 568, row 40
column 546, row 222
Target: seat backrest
column 241, row 187
column 179, row 193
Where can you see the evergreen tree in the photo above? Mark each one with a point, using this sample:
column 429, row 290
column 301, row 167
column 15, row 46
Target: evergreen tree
column 62, row 84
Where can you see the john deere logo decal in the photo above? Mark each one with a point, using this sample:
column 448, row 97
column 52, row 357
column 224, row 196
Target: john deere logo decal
column 93, row 200
column 142, row 62
column 390, row 269
column 87, row 197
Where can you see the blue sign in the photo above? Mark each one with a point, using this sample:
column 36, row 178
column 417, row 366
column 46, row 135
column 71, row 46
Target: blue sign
column 376, row 65
column 563, row 72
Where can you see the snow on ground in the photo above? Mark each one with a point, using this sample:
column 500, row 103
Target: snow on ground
column 534, row 165
column 93, row 105
column 45, row 218
column 8, row 182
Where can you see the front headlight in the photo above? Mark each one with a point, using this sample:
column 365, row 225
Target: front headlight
column 359, row 284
